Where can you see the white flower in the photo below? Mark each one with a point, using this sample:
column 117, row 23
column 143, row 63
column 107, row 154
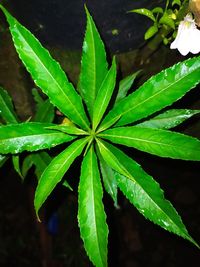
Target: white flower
column 188, row 37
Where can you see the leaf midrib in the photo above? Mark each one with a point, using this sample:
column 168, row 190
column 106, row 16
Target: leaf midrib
column 130, row 176
column 94, row 210
column 140, row 140
column 152, row 96
column 53, row 78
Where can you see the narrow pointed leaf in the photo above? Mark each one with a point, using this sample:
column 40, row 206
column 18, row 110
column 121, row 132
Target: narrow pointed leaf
column 6, row 107
column 143, row 191
column 109, row 180
column 143, row 11
column 104, row 95
column 93, row 64
column 125, row 85
column 46, row 72
column 157, row 93
column 3, row 159
column 158, row 142
column 91, row 215
column 55, row 171
column 45, row 112
column 27, row 165
column 68, row 129
column 30, row 136
column 169, row 119
column 16, row 164
column 41, row 160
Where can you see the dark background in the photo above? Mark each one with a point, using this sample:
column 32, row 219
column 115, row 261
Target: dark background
column 133, row 241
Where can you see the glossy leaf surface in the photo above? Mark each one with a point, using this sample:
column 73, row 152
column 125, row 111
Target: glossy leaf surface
column 15, row 138
column 104, row 95
column 158, row 142
column 169, row 119
column 125, row 85
column 55, row 171
column 16, row 164
column 68, row 129
column 109, row 180
column 93, row 64
column 47, row 73
column 158, row 92
column 145, row 12
column 6, row 107
column 142, row 191
column 91, row 215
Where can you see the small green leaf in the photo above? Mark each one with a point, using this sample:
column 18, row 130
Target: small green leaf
column 143, row 192
column 41, row 160
column 55, row 171
column 158, row 142
column 146, row 12
column 104, row 95
column 93, row 64
column 37, row 97
column 125, row 85
column 157, row 10
column 45, row 112
column 151, row 32
column 169, row 119
column 167, row 20
column 91, row 215
column 6, row 107
column 3, row 159
column 68, row 129
column 30, row 136
column 109, row 180
column 26, row 165
column 155, row 94
column 46, row 72
column 66, row 184
column 16, row 164
column 176, row 2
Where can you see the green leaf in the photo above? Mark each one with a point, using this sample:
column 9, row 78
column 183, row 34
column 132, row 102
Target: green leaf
column 125, row 85
column 169, row 119
column 15, row 160
column 41, row 160
column 47, row 73
column 104, row 95
column 6, row 107
column 30, row 136
column 55, row 171
column 45, row 112
column 143, row 192
column 93, row 65
column 158, row 142
column 26, row 165
column 109, row 180
column 155, row 94
column 157, row 10
column 68, row 129
column 146, row 12
column 167, row 20
column 176, row 2
column 37, row 97
column 3, row 159
column 91, row 215
column 151, row 32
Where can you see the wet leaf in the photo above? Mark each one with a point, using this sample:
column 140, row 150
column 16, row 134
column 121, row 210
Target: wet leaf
column 143, row 191
column 158, row 142
column 30, row 136
column 91, row 215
